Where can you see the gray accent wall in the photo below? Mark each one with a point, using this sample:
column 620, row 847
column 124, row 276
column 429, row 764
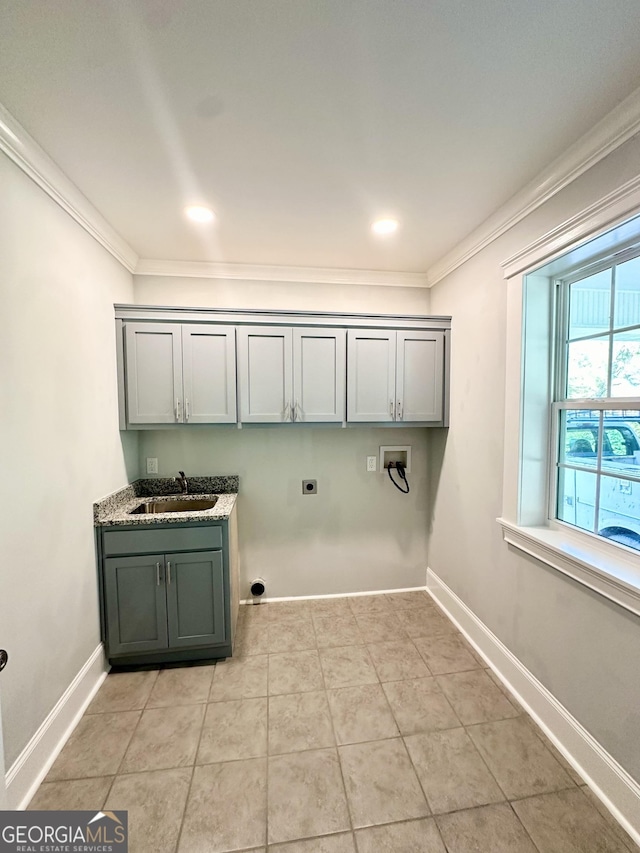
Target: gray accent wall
column 583, row 648
column 61, row 449
column 357, row 533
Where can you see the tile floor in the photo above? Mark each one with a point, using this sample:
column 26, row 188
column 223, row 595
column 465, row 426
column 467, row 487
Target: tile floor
column 355, row 724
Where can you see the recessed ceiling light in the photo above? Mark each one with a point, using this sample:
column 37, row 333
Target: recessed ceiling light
column 198, row 213
column 385, row 226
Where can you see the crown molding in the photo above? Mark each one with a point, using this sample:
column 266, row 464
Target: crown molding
column 587, row 224
column 25, row 152
column 616, row 128
column 267, row 272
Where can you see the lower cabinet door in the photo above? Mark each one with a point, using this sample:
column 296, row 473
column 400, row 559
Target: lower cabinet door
column 136, row 604
column 195, row 599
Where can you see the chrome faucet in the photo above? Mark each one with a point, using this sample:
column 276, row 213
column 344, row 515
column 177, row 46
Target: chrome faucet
column 184, row 485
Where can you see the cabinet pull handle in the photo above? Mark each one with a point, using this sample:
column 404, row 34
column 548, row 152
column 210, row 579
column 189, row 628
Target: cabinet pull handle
column 298, row 415
column 157, row 574
column 287, row 411
column 168, row 572
column 399, row 410
column 186, row 409
column 391, row 408
column 178, row 409
column 295, row 411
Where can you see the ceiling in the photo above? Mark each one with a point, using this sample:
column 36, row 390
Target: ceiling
column 301, row 121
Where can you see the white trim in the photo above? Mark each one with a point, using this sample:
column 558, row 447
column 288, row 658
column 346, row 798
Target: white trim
column 32, row 765
column 270, row 273
column 593, row 219
column 611, row 783
column 336, row 595
column 25, row 152
column 243, row 316
column 609, row 574
column 616, row 128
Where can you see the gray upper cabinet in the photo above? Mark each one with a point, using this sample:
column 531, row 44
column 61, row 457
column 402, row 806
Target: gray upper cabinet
column 289, row 375
column 419, row 376
column 264, row 374
column 153, row 357
column 180, row 373
column 371, row 375
column 319, row 360
column 178, row 366
column 209, row 374
column 395, row 376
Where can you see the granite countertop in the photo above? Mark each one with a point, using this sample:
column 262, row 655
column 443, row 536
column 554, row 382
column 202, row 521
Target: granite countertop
column 115, row 509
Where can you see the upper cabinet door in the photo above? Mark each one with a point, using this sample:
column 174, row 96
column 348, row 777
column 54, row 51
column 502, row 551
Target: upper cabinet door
column 264, row 374
column 209, row 374
column 419, row 376
column 371, row 375
column 319, row 362
column 153, row 362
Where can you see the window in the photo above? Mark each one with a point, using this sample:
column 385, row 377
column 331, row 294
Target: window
column 596, row 480
column 571, row 486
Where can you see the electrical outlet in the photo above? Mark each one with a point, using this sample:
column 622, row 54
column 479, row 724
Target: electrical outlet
column 371, row 463
column 152, row 465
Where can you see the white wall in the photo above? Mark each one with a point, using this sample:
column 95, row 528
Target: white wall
column 358, row 533
column 61, row 448
column 583, row 648
column 210, row 293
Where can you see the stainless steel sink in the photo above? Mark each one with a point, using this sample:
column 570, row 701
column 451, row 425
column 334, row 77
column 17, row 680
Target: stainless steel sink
column 152, row 507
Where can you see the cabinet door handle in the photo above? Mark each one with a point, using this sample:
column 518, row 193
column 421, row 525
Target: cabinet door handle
column 186, row 409
column 287, row 411
column 178, row 418
column 391, row 409
column 298, row 414
column 399, row 410
column 295, row 411
column 168, row 572
column 157, row 574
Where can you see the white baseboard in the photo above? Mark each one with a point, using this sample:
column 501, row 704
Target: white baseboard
column 32, row 765
column 335, row 595
column 611, row 783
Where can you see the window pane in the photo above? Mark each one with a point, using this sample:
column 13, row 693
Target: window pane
column 577, row 497
column 579, row 438
column 590, row 305
column 627, row 299
column 619, row 515
column 587, row 368
column 621, row 443
column 625, row 364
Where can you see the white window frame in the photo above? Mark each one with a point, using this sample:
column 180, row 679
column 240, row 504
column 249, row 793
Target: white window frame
column 612, row 225
column 561, row 402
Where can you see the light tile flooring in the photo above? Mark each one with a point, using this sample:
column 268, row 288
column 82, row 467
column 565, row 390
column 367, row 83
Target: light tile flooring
column 356, row 724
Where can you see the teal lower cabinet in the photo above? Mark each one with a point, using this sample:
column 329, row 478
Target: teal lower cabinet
column 136, row 604
column 195, row 599
column 167, row 606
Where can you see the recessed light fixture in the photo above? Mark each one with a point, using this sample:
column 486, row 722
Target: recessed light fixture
column 385, row 226
column 198, row 213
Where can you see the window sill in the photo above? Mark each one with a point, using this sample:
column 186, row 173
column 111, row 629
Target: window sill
column 603, row 568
